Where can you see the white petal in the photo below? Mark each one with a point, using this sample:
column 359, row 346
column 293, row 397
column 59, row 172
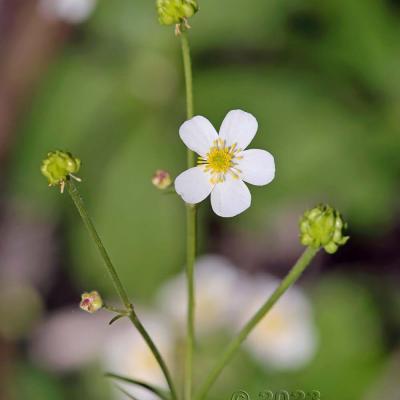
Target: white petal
column 198, row 134
column 257, row 167
column 230, row 197
column 193, row 185
column 238, row 127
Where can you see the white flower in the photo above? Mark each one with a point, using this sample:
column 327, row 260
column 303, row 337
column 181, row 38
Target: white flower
column 224, row 164
column 127, row 354
column 71, row 11
column 216, row 283
column 285, row 338
column 68, row 339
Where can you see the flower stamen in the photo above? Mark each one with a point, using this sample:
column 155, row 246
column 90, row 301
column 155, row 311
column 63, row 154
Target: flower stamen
column 220, row 160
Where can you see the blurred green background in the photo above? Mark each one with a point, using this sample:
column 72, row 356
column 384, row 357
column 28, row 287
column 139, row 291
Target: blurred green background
column 323, row 80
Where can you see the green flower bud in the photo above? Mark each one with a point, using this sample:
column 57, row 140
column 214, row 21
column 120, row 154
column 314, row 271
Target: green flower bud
column 322, row 226
column 172, row 12
column 58, row 166
column 91, row 302
column 161, row 179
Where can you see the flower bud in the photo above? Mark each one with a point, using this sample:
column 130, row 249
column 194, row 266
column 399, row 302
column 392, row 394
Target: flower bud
column 322, row 227
column 161, row 179
column 91, row 302
column 172, row 12
column 58, row 166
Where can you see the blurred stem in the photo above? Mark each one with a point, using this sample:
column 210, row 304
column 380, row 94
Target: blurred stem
column 234, row 345
column 78, row 201
column 191, row 229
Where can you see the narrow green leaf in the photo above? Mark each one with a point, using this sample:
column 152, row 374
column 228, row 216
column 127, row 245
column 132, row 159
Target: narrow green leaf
column 162, row 394
column 126, row 393
column 116, row 318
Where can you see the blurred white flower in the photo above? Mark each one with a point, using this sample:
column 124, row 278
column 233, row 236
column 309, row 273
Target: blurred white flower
column 71, row 11
column 68, row 339
column 224, row 164
column 216, row 283
column 286, row 337
column 126, row 353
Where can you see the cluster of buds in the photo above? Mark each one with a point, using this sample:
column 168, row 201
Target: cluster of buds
column 322, row 226
column 91, row 302
column 161, row 179
column 176, row 12
column 59, row 166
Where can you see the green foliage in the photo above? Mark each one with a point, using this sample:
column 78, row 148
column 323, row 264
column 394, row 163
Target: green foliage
column 31, row 383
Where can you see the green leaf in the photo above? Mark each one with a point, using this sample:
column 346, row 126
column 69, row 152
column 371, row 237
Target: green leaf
column 157, row 391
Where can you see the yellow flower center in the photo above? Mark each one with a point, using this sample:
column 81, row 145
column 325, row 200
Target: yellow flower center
column 220, row 160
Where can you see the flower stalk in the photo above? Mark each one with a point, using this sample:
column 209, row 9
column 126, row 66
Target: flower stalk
column 234, row 345
column 130, row 312
column 191, row 229
column 78, row 201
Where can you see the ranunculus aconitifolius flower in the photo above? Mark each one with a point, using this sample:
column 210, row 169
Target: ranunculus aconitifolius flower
column 224, row 165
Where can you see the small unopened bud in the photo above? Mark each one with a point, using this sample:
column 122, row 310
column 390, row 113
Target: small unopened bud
column 91, row 302
column 59, row 166
column 172, row 12
column 161, row 179
column 323, row 226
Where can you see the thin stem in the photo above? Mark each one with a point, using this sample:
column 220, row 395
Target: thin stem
column 78, row 201
column 187, row 65
column 191, row 229
column 115, row 309
column 139, row 326
column 191, row 222
column 234, row 345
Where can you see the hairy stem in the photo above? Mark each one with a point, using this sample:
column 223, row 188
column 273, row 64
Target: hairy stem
column 234, row 345
column 78, row 201
column 191, row 221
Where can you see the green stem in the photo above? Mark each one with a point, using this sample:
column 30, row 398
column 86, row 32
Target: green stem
column 115, row 310
column 234, row 345
column 78, row 201
column 187, row 66
column 139, row 326
column 191, row 229
column 191, row 222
